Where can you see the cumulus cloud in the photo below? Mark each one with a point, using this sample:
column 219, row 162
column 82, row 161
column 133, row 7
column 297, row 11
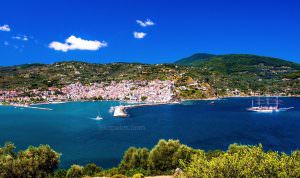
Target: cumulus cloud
column 5, row 28
column 20, row 37
column 145, row 23
column 74, row 43
column 139, row 35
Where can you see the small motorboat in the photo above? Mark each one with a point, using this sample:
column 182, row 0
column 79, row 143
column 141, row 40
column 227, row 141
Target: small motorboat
column 211, row 103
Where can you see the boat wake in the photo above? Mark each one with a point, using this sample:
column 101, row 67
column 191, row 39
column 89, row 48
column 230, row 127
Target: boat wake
column 285, row 109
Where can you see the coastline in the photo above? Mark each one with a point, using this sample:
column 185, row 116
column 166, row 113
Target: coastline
column 131, row 104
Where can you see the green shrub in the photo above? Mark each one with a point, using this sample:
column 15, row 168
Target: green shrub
column 135, row 158
column 139, row 175
column 60, row 173
column 75, row 172
column 243, row 161
column 109, row 172
column 32, row 162
column 91, row 169
column 132, row 172
column 118, row 176
column 165, row 156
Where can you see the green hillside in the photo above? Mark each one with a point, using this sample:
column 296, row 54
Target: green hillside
column 198, row 76
column 235, row 62
column 195, row 59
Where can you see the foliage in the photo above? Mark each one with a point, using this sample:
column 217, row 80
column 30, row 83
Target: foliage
column 91, row 169
column 165, row 156
column 60, row 173
column 135, row 158
column 213, row 153
column 195, row 59
column 132, row 172
column 109, row 172
column 243, row 161
column 118, row 176
column 144, row 98
column 75, row 172
column 139, row 175
column 293, row 75
column 32, row 162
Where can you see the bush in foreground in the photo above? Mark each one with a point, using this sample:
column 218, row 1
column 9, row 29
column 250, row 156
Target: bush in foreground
column 243, row 161
column 162, row 159
column 138, row 176
column 32, row 162
column 75, row 172
column 118, row 176
column 165, row 156
column 91, row 169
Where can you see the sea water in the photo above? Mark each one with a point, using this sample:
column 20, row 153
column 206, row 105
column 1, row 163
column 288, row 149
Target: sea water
column 71, row 130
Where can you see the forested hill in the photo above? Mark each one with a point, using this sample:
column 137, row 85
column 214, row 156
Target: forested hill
column 234, row 62
column 198, row 76
column 195, row 60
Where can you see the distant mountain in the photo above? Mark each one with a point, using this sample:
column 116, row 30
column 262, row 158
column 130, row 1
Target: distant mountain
column 235, row 62
column 195, row 59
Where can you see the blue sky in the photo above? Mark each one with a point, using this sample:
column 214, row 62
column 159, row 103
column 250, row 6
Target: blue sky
column 102, row 31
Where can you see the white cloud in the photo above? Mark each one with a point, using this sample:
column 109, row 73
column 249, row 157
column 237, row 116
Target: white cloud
column 6, row 43
column 145, row 23
column 139, row 35
column 5, row 28
column 74, row 43
column 20, row 37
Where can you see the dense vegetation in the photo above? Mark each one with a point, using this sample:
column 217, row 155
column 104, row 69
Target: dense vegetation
column 164, row 158
column 33, row 162
column 220, row 74
column 264, row 75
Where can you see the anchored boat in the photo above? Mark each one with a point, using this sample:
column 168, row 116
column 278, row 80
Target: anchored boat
column 266, row 105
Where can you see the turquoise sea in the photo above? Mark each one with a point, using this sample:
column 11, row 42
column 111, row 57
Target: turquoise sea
column 70, row 129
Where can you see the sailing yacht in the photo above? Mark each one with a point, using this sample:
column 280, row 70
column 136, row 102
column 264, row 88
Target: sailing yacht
column 269, row 107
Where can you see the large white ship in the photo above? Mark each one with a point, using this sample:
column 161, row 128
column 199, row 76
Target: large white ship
column 266, row 105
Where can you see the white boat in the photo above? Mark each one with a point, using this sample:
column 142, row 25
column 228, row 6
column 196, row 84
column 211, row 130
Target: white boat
column 264, row 109
column 98, row 118
column 266, row 106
